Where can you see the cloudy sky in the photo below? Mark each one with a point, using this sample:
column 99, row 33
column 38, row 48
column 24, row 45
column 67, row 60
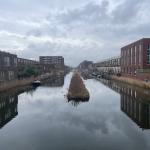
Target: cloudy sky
column 76, row 29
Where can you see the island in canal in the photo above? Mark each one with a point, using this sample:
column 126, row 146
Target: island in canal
column 77, row 90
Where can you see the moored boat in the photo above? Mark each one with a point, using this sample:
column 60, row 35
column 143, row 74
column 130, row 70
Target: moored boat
column 36, row 83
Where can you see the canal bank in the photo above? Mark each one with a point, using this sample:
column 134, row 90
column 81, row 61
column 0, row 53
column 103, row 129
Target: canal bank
column 131, row 81
column 8, row 85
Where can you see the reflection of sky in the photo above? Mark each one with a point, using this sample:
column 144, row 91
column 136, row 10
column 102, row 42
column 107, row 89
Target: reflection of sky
column 47, row 121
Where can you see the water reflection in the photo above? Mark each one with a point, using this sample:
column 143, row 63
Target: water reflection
column 9, row 104
column 76, row 102
column 9, row 100
column 46, row 121
column 54, row 81
column 135, row 102
column 8, row 107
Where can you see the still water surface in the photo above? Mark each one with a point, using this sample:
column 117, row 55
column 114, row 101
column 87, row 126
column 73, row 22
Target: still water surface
column 116, row 117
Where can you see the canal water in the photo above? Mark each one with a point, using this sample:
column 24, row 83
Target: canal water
column 116, row 117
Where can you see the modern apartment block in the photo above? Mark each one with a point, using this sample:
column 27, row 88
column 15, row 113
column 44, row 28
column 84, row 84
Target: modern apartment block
column 41, row 68
column 8, row 66
column 22, row 62
column 135, row 59
column 111, row 65
column 57, row 61
column 25, row 63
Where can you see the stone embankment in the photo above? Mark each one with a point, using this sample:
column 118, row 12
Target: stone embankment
column 77, row 89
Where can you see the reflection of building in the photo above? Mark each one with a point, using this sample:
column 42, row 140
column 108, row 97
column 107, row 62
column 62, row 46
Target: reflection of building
column 8, row 108
column 55, row 81
column 8, row 66
column 138, row 111
column 134, row 102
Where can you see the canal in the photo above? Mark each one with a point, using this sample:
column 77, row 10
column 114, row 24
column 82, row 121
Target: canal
column 116, row 117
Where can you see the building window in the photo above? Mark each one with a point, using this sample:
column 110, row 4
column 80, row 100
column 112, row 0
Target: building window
column 2, row 76
column 131, row 55
column 10, row 75
column 135, row 53
column 15, row 62
column 140, row 54
column 148, row 54
column 7, row 61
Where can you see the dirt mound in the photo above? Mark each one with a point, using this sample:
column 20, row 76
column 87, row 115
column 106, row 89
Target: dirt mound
column 77, row 89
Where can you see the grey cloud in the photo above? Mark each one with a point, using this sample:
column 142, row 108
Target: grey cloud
column 89, row 13
column 104, row 24
column 127, row 11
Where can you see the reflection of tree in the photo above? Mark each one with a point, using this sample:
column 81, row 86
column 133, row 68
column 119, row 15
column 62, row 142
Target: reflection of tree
column 77, row 102
column 31, row 90
column 134, row 102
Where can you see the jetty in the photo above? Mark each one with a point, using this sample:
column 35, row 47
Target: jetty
column 77, row 89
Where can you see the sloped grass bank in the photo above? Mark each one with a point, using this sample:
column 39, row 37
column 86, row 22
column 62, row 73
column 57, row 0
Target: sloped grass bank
column 134, row 82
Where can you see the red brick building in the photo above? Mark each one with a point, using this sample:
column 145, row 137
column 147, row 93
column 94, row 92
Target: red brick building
column 135, row 59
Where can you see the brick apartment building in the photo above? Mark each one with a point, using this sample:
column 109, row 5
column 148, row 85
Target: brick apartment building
column 135, row 59
column 8, row 66
column 57, row 61
column 42, row 68
column 12, row 67
column 23, row 62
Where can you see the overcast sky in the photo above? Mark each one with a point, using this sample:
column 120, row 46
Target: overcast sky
column 76, row 29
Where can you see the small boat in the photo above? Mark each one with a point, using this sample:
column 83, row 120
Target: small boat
column 36, row 83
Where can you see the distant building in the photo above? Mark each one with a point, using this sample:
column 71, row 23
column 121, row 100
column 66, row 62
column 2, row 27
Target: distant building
column 85, row 65
column 111, row 65
column 135, row 59
column 86, row 69
column 41, row 67
column 23, row 62
column 57, row 61
column 8, row 66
